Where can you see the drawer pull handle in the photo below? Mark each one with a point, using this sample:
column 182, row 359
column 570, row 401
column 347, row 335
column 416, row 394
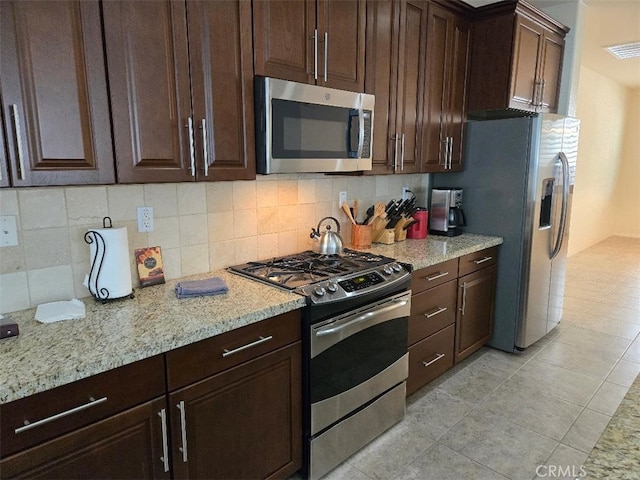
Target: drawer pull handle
column 436, row 276
column 183, row 431
column 482, row 260
column 28, row 425
column 228, row 352
column 165, row 445
column 438, row 357
column 435, row 312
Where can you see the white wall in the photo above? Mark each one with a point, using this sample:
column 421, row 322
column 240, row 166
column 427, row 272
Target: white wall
column 606, row 189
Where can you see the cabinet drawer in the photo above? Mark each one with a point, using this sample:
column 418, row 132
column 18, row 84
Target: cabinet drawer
column 434, row 275
column 477, row 260
column 430, row 358
column 194, row 362
column 34, row 419
column 432, row 310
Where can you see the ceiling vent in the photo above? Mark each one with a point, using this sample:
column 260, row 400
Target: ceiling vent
column 625, row 50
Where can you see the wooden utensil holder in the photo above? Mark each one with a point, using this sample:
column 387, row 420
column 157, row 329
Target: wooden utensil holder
column 377, row 228
column 361, row 236
column 399, row 232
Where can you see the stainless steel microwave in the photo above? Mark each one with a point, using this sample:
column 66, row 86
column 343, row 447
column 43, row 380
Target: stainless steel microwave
column 309, row 128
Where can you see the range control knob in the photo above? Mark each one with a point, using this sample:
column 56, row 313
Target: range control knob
column 387, row 270
column 397, row 267
column 319, row 291
column 332, row 287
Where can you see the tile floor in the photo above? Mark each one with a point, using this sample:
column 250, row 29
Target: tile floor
column 506, row 416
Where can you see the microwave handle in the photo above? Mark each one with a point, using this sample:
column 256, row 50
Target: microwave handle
column 357, row 152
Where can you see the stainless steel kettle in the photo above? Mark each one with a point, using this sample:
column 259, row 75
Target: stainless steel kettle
column 327, row 242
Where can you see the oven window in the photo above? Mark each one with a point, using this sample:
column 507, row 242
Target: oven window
column 357, row 358
column 304, row 130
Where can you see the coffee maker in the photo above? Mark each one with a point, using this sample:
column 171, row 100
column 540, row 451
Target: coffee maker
column 446, row 216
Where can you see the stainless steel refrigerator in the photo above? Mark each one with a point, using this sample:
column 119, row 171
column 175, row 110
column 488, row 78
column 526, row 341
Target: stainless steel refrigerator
column 518, row 183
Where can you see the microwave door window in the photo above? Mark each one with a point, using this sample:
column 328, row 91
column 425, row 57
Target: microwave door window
column 304, row 130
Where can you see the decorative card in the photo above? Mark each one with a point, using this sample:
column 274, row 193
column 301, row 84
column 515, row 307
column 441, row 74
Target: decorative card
column 149, row 262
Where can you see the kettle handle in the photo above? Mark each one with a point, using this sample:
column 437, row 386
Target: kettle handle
column 329, row 218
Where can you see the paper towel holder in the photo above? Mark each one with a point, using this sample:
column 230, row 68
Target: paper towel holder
column 101, row 293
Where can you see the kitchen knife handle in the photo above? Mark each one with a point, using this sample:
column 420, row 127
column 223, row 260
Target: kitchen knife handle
column 192, row 154
column 183, row 430
column 165, row 444
column 18, row 133
column 438, row 357
column 205, row 150
column 326, row 53
column 92, row 403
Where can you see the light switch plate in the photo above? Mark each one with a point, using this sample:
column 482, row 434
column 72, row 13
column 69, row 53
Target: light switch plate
column 8, row 231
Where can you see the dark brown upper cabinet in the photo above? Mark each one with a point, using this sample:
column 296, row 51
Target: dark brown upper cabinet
column 180, row 76
column 516, row 60
column 396, row 57
column 448, row 45
column 312, row 41
column 54, row 94
column 4, row 173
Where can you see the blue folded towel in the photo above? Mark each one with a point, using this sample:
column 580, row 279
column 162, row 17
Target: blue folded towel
column 198, row 288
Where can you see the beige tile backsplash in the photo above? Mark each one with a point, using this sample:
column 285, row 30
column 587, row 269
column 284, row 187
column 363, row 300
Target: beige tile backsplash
column 200, row 226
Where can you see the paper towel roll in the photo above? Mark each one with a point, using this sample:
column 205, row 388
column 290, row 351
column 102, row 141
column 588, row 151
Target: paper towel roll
column 110, row 275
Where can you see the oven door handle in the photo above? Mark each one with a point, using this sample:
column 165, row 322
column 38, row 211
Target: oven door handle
column 361, row 318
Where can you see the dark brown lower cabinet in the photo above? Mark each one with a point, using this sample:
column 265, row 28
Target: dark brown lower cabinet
column 126, row 445
column 242, row 423
column 474, row 322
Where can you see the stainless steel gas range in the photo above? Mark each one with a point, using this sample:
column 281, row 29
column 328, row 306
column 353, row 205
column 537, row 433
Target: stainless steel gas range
column 355, row 360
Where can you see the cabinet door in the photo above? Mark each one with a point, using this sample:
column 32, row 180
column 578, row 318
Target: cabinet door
column 283, row 36
column 4, row 173
column 383, row 22
column 524, row 80
column 126, row 445
column 457, row 108
column 54, row 93
column 435, row 139
column 341, row 27
column 242, row 423
column 220, row 49
column 551, row 71
column 474, row 322
column 148, row 62
column 411, row 83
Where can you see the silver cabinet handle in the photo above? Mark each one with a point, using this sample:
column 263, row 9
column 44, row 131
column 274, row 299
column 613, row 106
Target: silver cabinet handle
column 183, row 430
column 450, row 153
column 326, row 53
column 165, row 444
column 28, row 425
column 402, row 154
column 315, row 54
column 435, row 312
column 192, row 153
column 18, row 133
column 362, row 318
column 205, row 150
column 262, row 339
column 464, row 297
column 438, row 357
column 436, row 276
column 542, row 85
column 482, row 260
column 395, row 152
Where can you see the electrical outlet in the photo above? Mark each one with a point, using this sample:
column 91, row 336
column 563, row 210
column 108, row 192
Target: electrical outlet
column 343, row 198
column 145, row 219
column 405, row 193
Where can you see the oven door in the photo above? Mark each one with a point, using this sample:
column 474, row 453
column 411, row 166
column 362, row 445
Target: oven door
column 356, row 357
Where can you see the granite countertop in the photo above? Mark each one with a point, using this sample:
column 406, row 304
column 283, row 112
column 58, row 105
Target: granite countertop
column 45, row 356
column 617, row 453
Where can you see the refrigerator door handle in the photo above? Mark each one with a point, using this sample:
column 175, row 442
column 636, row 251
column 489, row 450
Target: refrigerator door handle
column 565, row 204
